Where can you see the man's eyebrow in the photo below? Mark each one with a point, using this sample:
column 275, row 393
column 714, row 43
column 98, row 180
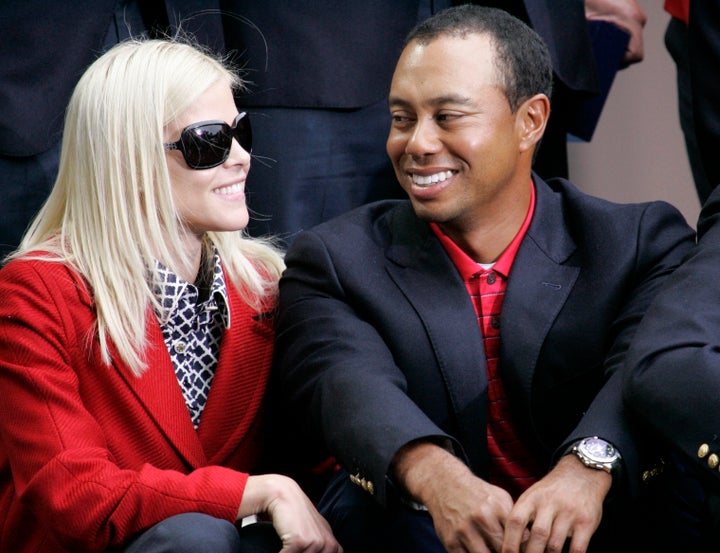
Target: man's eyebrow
column 394, row 101
column 449, row 99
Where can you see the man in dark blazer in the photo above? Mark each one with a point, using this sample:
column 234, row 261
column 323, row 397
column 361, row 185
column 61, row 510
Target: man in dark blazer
column 673, row 386
column 391, row 315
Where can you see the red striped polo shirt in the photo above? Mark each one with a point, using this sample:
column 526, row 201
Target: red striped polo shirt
column 512, row 466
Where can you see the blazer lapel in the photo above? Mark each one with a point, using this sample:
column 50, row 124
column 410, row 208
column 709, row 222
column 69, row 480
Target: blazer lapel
column 540, row 282
column 240, row 381
column 423, row 271
column 159, row 392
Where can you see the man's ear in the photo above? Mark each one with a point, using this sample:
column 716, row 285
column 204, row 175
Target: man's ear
column 532, row 117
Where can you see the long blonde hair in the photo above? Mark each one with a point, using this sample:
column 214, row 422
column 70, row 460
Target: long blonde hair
column 111, row 212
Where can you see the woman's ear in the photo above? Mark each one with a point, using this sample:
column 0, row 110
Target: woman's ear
column 532, row 117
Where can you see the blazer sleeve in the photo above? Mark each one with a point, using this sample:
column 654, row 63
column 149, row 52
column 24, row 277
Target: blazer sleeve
column 673, row 367
column 662, row 239
column 335, row 367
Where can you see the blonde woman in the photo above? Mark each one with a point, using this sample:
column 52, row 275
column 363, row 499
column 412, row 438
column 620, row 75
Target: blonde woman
column 136, row 329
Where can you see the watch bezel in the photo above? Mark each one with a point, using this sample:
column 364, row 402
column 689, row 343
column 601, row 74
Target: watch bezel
column 587, row 451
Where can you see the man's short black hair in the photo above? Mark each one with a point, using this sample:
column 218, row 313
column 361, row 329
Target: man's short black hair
column 522, row 58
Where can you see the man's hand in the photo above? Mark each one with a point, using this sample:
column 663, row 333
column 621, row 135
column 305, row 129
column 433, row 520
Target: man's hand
column 566, row 503
column 468, row 513
column 626, row 14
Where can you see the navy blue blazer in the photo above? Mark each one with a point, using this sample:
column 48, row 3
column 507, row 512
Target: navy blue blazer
column 673, row 366
column 378, row 343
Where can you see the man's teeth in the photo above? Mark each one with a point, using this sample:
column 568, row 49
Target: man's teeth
column 430, row 179
column 232, row 189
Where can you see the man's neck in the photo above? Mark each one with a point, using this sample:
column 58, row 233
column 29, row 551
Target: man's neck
column 486, row 237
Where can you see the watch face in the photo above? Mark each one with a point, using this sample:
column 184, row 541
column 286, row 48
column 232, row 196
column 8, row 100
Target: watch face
column 598, row 450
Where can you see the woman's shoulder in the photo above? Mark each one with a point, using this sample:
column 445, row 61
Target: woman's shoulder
column 35, row 264
column 44, row 273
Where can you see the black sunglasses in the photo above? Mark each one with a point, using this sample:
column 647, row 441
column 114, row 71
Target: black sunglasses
column 207, row 144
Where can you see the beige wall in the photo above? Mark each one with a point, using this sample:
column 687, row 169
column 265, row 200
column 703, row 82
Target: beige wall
column 637, row 152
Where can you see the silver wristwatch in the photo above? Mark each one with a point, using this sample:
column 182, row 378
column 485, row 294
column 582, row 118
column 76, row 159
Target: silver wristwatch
column 598, row 454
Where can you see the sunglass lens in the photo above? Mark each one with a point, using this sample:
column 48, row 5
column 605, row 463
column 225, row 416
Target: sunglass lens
column 207, row 146
column 243, row 132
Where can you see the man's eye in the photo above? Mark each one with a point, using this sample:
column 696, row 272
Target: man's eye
column 400, row 118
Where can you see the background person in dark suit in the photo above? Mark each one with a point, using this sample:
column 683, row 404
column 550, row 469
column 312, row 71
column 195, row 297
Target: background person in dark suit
column 704, row 62
column 451, row 351
column 46, row 46
column 677, row 44
column 320, row 72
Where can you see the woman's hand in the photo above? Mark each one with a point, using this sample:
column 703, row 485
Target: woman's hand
column 296, row 520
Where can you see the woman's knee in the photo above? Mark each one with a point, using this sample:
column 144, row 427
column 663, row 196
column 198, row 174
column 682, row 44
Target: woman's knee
column 188, row 533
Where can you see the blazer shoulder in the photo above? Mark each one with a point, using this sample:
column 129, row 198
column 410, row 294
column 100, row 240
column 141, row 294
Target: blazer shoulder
column 565, row 214
column 575, row 200
column 41, row 267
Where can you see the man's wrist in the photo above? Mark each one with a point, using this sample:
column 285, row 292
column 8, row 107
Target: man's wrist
column 418, row 467
column 597, row 453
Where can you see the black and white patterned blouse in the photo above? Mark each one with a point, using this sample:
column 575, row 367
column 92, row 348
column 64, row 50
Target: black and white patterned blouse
column 192, row 328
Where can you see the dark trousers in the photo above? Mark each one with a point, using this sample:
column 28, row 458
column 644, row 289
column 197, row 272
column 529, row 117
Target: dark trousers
column 667, row 518
column 361, row 525
column 199, row 533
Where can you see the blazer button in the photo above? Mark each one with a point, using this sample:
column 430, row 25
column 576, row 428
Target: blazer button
column 181, row 347
column 703, row 450
column 713, row 461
